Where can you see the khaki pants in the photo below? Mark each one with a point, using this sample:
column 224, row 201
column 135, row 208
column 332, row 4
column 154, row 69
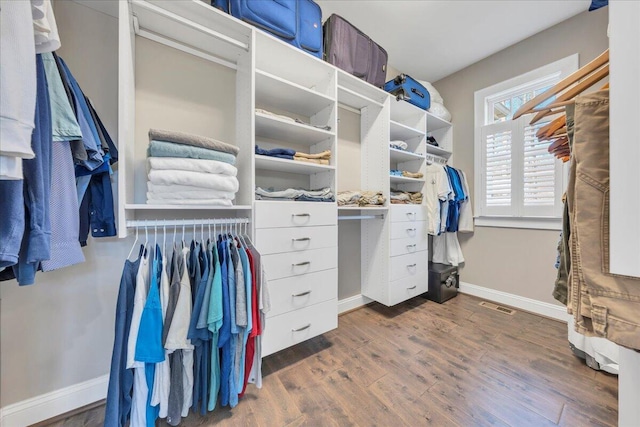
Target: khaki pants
column 602, row 303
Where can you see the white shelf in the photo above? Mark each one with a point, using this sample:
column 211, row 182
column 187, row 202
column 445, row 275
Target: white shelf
column 402, row 111
column 357, row 93
column 143, row 206
column 288, row 96
column 438, row 151
column 275, row 128
column 354, row 99
column 435, row 123
column 401, row 155
column 363, row 208
column 192, row 25
column 290, row 166
column 403, row 132
column 405, row 180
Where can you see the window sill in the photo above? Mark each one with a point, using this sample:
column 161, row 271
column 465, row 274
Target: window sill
column 526, row 223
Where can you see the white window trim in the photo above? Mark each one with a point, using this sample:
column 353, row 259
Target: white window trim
column 565, row 67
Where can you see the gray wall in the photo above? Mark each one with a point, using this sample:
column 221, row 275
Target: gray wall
column 513, row 260
column 59, row 331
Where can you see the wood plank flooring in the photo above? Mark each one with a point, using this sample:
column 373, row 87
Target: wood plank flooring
column 422, row 363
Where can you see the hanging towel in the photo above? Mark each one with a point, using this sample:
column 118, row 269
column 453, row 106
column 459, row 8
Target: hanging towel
column 192, row 140
column 195, row 165
column 195, row 179
column 169, row 149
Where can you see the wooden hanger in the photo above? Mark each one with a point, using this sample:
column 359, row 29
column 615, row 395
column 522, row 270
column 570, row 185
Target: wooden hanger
column 568, row 81
column 551, row 127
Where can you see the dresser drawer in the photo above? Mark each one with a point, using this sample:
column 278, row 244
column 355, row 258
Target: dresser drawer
column 291, row 239
column 404, row 230
column 411, row 265
column 270, row 214
column 402, row 290
column 408, row 213
column 296, row 326
column 293, row 293
column 278, row 266
column 408, row 245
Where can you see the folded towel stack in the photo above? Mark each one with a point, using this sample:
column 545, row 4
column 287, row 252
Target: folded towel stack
column 399, row 145
column 361, row 198
column 406, row 197
column 295, row 194
column 190, row 170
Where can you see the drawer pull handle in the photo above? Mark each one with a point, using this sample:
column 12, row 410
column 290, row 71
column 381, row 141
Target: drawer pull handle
column 411, row 246
column 411, row 265
column 411, row 230
column 411, row 213
column 302, row 239
column 302, row 214
column 301, row 329
column 300, row 264
column 413, row 287
column 301, row 294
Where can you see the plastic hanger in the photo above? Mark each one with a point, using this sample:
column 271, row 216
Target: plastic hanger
column 134, row 244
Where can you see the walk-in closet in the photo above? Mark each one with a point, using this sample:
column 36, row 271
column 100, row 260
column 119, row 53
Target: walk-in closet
column 319, row 213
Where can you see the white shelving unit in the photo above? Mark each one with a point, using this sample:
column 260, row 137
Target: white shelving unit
column 290, row 166
column 442, row 131
column 406, row 180
column 282, row 130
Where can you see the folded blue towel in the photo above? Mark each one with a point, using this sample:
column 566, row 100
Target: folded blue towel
column 283, row 153
column 169, row 149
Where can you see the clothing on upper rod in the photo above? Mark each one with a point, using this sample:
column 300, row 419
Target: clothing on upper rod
column 191, row 337
column 46, row 206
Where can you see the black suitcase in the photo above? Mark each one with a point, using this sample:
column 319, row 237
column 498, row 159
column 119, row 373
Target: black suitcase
column 353, row 51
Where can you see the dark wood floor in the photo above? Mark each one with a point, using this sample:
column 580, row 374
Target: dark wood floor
column 422, row 363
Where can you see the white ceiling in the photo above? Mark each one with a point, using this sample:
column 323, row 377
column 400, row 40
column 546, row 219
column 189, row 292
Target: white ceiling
column 431, row 39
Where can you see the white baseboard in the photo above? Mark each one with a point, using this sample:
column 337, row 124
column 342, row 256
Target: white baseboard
column 55, row 403
column 534, row 306
column 352, row 303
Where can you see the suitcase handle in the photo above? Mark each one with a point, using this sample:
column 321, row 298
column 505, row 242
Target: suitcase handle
column 400, row 78
column 417, row 92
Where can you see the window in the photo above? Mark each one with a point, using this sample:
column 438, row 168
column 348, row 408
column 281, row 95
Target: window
column 518, row 183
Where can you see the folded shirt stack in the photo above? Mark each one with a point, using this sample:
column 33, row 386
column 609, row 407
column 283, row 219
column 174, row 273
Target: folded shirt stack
column 322, row 158
column 406, row 197
column 295, row 194
column 406, row 174
column 291, row 119
column 190, row 170
column 361, row 198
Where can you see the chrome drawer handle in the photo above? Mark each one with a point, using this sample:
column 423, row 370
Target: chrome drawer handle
column 302, row 239
column 411, row 246
column 411, row 229
column 413, row 287
column 411, row 213
column 302, row 214
column 300, row 264
column 301, row 294
column 411, row 265
column 301, row 329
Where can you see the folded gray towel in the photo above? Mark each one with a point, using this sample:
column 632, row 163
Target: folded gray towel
column 193, row 140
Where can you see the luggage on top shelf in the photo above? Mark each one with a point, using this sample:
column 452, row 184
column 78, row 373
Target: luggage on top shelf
column 297, row 22
column 406, row 88
column 353, row 51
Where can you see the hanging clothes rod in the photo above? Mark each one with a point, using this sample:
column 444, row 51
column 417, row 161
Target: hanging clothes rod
column 436, row 159
column 185, row 222
column 346, row 217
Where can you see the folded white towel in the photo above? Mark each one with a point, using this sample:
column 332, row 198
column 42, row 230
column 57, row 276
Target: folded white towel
column 212, row 202
column 195, row 165
column 192, row 195
column 194, row 179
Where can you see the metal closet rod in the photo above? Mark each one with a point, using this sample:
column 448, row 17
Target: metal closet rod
column 346, row 217
column 185, row 222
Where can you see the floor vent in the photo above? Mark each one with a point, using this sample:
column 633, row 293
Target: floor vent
column 497, row 307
